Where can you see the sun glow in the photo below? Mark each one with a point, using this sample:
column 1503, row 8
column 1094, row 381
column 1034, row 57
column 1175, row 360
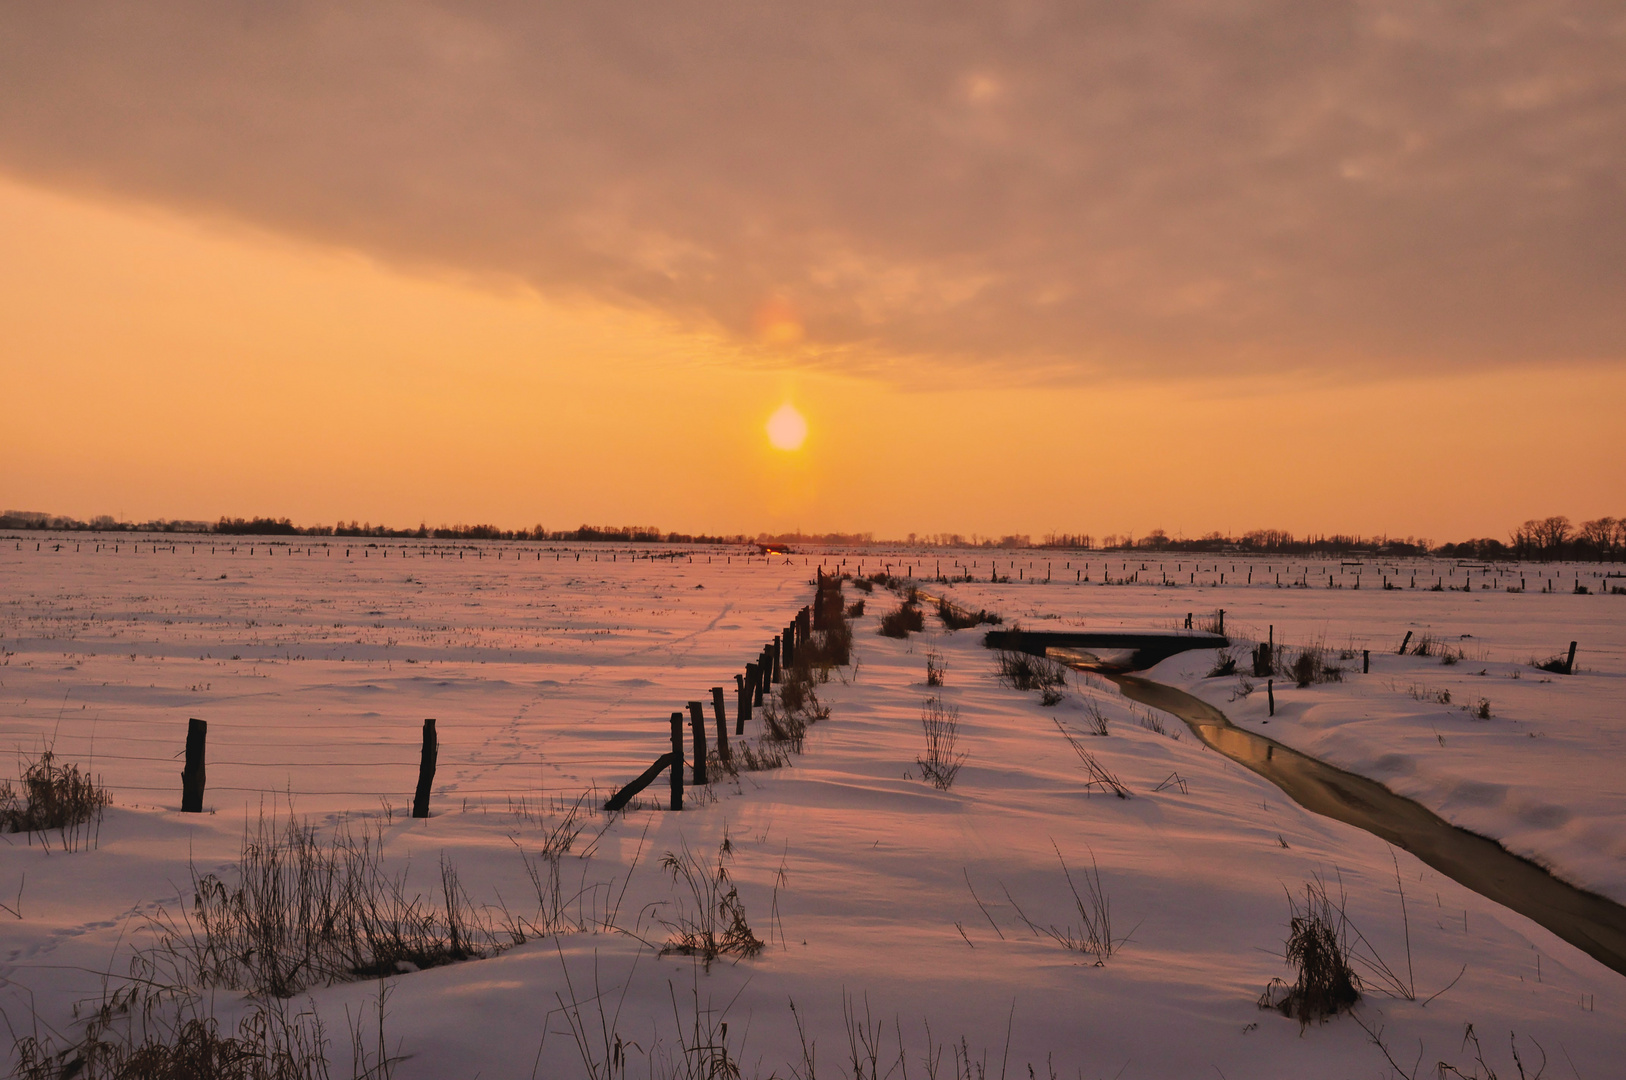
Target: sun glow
column 787, row 429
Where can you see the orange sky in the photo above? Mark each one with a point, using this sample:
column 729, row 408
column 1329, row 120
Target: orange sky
column 1054, row 266
column 161, row 366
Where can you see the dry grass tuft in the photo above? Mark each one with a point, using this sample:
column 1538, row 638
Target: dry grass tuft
column 299, row 911
column 1318, row 945
column 943, row 759
column 710, row 919
column 53, row 796
column 907, row 619
column 1024, row 671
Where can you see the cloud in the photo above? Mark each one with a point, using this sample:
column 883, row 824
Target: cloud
column 1070, row 188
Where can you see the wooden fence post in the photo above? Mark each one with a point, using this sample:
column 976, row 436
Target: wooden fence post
column 778, row 658
column 197, row 732
column 677, row 761
column 1404, row 642
column 747, row 687
column 722, row 722
column 1569, row 665
column 426, row 770
column 762, row 672
column 788, row 645
column 1270, row 692
column 1366, row 661
column 697, row 720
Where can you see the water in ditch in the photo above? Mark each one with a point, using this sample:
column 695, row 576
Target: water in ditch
column 1592, row 923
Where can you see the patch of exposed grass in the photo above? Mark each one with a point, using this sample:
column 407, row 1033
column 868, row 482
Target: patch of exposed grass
column 299, row 911
column 1024, row 671
column 956, row 618
column 52, row 796
column 907, row 619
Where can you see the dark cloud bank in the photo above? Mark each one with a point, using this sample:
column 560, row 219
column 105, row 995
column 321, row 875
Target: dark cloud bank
column 1161, row 188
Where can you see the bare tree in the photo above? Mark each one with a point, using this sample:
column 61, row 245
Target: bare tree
column 1552, row 533
column 1599, row 534
column 1526, row 538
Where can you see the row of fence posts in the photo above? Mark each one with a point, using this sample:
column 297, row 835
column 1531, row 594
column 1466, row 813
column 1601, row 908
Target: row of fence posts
column 769, row 667
column 750, row 687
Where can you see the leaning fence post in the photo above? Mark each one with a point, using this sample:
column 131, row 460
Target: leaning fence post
column 426, row 770
column 677, row 761
column 747, row 687
column 722, row 722
column 697, row 720
column 197, row 732
column 1569, row 665
column 1403, row 643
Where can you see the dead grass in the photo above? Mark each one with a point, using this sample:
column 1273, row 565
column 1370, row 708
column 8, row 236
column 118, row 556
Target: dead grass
column 708, row 920
column 1318, row 945
column 300, row 910
column 1024, row 671
column 1100, row 776
column 54, row 797
column 134, row 1037
column 1310, row 665
column 1096, row 720
column 907, row 619
column 956, row 618
column 943, row 758
column 1093, row 935
column 268, row 1045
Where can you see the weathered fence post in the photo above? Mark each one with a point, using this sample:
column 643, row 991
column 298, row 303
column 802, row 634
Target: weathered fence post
column 1270, row 692
column 778, row 658
column 677, row 761
column 1222, row 620
column 747, row 688
column 722, row 722
column 697, row 720
column 426, row 770
column 197, row 732
column 1366, row 661
column 1569, row 665
column 763, row 669
column 1404, row 642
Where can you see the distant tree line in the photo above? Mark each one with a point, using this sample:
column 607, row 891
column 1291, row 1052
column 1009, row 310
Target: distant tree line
column 1549, row 539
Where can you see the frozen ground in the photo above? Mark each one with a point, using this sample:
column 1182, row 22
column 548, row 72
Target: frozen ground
column 547, row 677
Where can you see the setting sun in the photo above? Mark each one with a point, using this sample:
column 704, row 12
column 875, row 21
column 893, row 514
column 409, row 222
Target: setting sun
column 787, row 428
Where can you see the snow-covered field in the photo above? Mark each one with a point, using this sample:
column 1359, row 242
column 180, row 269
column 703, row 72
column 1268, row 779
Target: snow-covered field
column 549, row 675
